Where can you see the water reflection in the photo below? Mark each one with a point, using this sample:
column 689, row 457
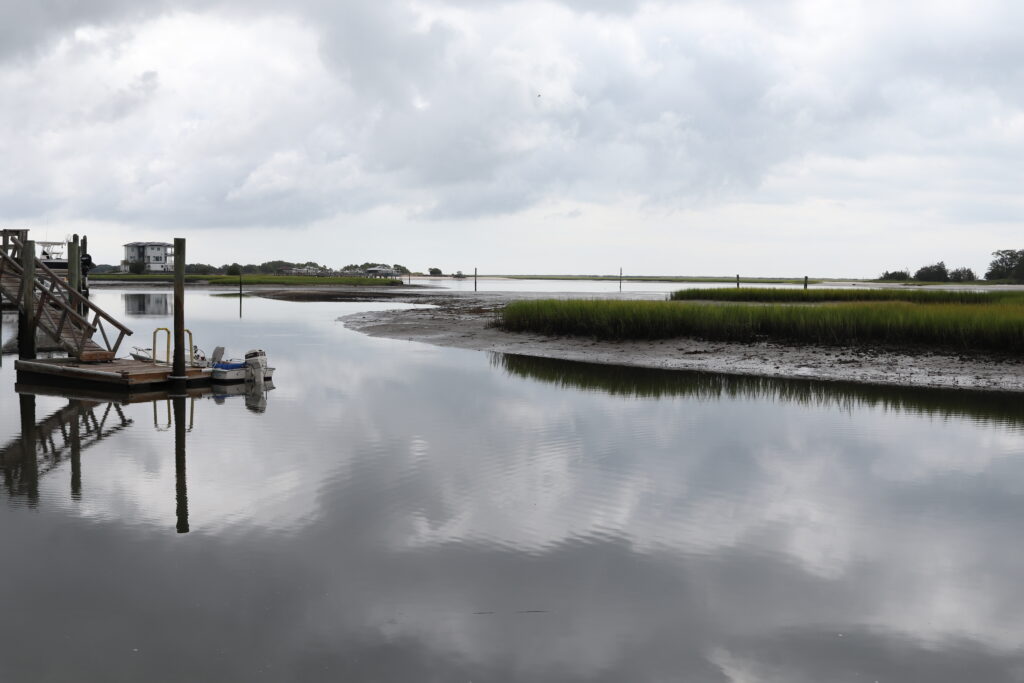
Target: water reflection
column 405, row 512
column 44, row 446
column 994, row 407
column 139, row 304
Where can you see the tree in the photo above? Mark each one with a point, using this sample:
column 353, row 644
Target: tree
column 1007, row 264
column 234, row 269
column 434, row 271
column 895, row 275
column 401, row 269
column 964, row 274
column 934, row 273
column 136, row 267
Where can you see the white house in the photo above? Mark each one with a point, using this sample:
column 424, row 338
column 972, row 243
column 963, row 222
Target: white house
column 157, row 257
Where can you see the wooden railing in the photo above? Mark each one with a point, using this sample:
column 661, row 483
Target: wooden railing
column 62, row 312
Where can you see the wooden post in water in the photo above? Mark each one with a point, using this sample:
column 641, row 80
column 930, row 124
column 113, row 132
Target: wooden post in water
column 805, row 282
column 620, row 278
column 178, row 367
column 737, row 280
column 74, row 269
column 474, row 279
column 26, row 315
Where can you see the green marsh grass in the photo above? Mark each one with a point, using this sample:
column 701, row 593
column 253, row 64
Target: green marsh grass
column 989, row 327
column 778, row 295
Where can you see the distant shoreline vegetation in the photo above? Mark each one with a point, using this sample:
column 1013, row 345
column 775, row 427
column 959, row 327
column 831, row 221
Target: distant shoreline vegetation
column 251, row 279
column 919, row 296
column 1006, row 266
column 956, row 326
column 663, row 278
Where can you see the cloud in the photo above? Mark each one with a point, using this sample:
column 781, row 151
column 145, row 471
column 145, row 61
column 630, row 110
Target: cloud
column 240, row 115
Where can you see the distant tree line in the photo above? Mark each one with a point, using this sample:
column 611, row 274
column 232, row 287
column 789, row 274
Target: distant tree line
column 265, row 268
column 936, row 272
column 1008, row 264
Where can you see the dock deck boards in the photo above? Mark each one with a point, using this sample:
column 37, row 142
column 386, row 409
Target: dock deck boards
column 122, row 372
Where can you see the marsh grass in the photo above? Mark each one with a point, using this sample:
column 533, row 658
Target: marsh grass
column 777, row 295
column 989, row 327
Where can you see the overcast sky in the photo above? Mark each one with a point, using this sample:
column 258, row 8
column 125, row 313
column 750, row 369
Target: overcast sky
column 767, row 138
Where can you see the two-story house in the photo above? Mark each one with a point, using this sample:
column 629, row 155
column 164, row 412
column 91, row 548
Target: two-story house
column 156, row 257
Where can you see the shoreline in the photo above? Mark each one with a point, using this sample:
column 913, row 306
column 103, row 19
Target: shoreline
column 464, row 321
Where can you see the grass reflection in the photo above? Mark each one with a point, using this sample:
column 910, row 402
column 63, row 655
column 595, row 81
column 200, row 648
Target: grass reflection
column 982, row 406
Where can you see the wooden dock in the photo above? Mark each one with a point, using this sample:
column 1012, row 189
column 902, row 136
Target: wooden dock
column 122, row 374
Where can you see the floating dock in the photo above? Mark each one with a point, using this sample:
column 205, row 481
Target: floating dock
column 120, row 374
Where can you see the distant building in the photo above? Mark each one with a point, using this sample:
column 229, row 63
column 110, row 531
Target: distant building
column 156, row 257
column 305, row 270
column 381, row 271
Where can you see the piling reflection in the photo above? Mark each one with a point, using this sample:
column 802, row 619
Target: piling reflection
column 44, row 446
column 988, row 407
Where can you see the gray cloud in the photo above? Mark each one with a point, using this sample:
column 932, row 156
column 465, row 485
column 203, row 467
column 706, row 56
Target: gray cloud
column 282, row 116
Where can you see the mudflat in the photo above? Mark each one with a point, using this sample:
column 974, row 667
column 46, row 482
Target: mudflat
column 467, row 321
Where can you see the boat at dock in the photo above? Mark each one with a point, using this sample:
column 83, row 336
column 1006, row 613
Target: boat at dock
column 252, row 367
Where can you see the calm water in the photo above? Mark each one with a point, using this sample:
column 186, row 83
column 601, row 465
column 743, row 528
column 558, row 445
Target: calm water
column 392, row 511
column 499, row 284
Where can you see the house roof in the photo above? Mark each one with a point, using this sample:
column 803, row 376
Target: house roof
column 149, row 244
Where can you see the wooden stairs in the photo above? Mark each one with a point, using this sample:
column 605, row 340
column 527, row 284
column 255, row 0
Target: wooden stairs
column 62, row 313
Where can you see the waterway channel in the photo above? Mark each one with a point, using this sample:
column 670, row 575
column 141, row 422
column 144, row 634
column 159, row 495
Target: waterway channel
column 393, row 511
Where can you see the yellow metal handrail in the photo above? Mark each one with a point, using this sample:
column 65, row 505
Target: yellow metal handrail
column 167, row 358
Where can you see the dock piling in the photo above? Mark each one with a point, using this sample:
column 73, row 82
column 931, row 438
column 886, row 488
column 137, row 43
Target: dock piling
column 75, row 268
column 178, row 367
column 26, row 315
column 474, row 279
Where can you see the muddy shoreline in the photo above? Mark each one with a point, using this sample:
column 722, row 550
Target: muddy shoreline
column 465, row 321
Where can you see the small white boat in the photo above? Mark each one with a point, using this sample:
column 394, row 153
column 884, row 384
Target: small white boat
column 252, row 367
column 145, row 355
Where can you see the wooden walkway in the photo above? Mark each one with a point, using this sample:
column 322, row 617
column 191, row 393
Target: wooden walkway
column 66, row 316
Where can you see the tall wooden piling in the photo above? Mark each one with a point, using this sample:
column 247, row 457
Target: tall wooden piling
column 474, row 279
column 75, row 269
column 737, row 281
column 805, row 282
column 84, row 251
column 178, row 367
column 620, row 278
column 26, row 316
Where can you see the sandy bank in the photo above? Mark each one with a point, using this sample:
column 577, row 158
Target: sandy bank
column 462, row 321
